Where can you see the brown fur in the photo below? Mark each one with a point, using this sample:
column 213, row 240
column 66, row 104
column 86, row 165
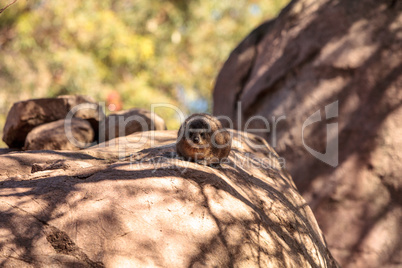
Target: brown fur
column 201, row 138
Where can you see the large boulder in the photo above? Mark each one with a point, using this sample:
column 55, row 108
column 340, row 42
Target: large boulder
column 74, row 134
column 345, row 59
column 26, row 115
column 126, row 122
column 132, row 205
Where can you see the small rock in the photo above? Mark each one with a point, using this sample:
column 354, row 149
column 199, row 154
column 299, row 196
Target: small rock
column 130, row 121
column 61, row 164
column 55, row 136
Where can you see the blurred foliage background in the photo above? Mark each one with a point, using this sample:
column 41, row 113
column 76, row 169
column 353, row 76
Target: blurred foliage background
column 141, row 51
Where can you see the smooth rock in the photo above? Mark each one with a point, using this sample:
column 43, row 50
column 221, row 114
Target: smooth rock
column 148, row 210
column 126, row 122
column 341, row 61
column 59, row 136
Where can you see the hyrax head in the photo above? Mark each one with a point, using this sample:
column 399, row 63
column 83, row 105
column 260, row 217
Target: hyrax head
column 198, row 132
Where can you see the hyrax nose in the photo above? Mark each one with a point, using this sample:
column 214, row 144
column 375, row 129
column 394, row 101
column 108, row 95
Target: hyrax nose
column 196, row 139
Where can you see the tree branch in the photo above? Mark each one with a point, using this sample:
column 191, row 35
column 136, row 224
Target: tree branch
column 4, row 8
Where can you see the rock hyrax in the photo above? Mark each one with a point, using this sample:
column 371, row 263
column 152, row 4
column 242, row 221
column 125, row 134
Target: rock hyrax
column 202, row 139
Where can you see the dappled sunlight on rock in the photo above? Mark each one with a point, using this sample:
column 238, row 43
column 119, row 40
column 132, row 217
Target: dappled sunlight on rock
column 147, row 207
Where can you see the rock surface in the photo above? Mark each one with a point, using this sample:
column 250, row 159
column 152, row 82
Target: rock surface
column 125, row 203
column 126, row 122
column 26, row 115
column 57, row 136
column 314, row 54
